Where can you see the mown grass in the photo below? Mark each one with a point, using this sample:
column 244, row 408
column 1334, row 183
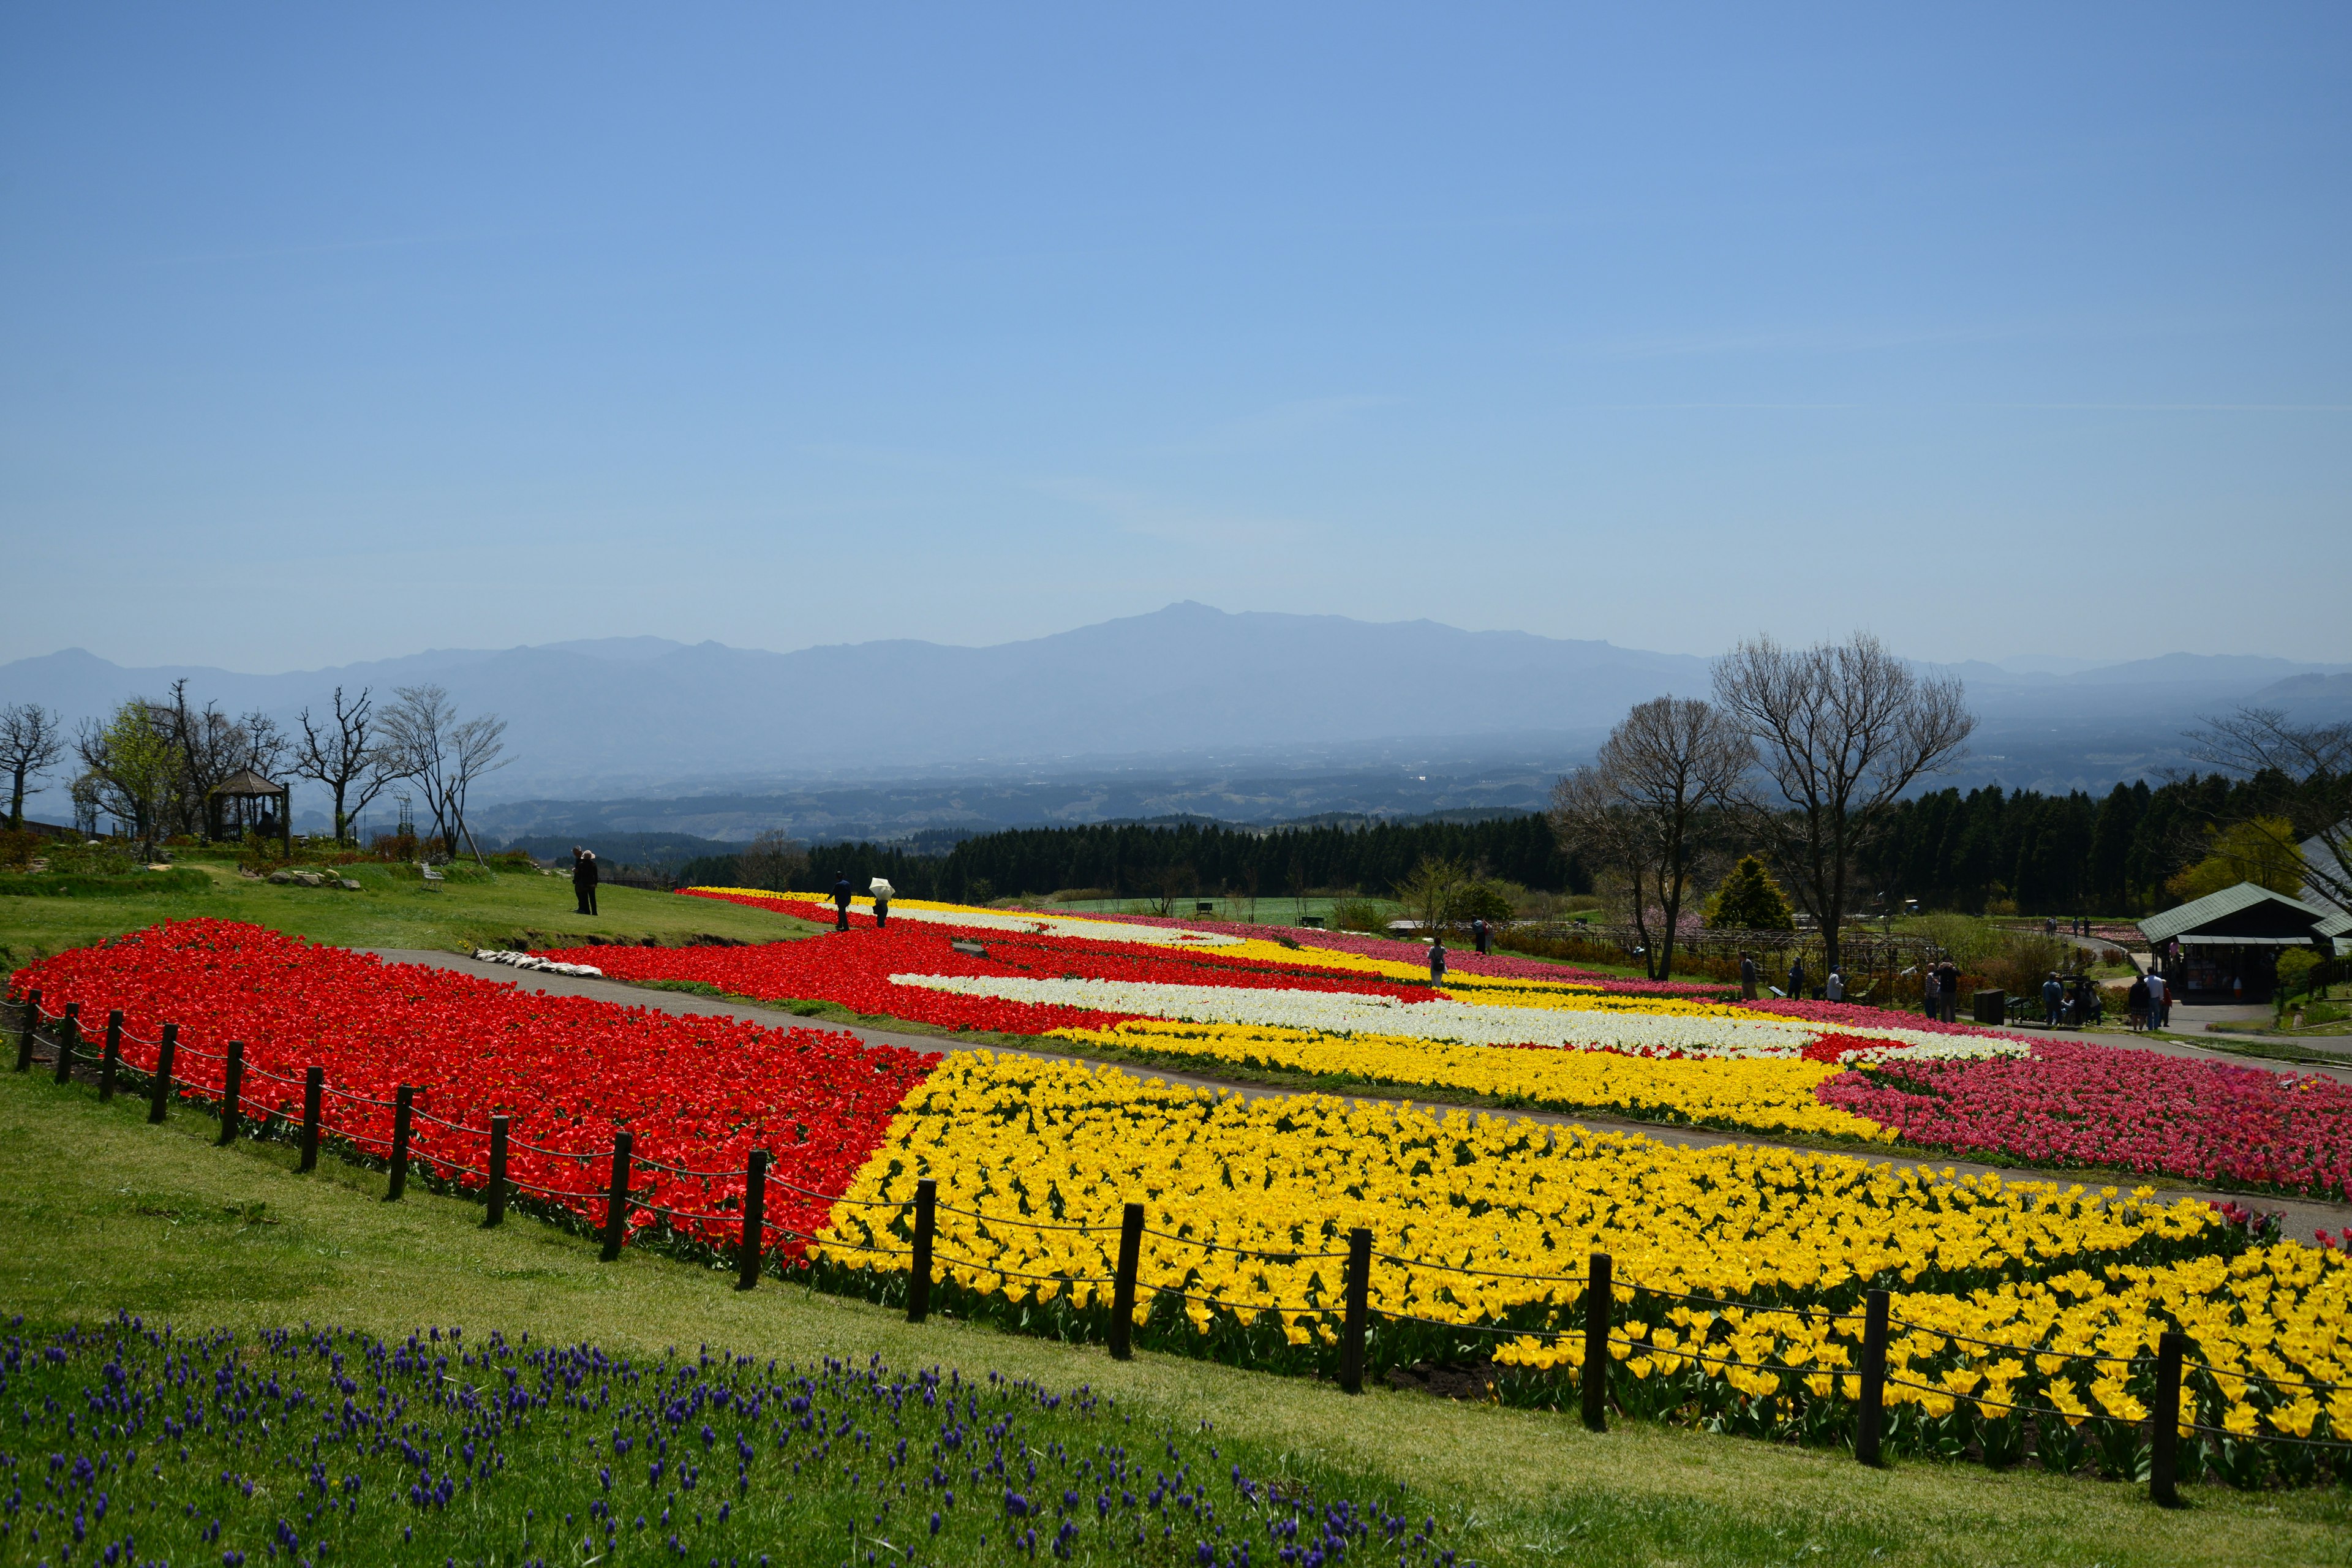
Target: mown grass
column 103, row 1214
column 393, row 908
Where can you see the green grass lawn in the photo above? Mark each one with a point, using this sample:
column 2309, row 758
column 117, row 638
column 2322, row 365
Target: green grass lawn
column 104, row 1215
column 394, row 907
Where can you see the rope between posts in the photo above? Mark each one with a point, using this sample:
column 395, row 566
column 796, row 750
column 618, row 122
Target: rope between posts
column 1808, row 1312
column 1019, row 1221
column 2271, row 1436
column 2261, row 1378
column 1240, row 1251
column 1893, row 1323
column 682, row 1170
column 1016, row 1274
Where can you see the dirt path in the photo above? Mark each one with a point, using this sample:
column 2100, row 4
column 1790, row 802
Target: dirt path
column 2302, row 1216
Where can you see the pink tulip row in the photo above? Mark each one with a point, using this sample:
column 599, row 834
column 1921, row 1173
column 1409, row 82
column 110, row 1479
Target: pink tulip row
column 2075, row 1104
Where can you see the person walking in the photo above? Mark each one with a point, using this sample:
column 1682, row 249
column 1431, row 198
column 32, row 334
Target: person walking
column 583, row 879
column 2135, row 1004
column 1747, row 978
column 881, row 890
column 2053, row 999
column 1437, row 961
column 2159, row 999
column 841, row 898
column 1834, row 988
column 1948, row 978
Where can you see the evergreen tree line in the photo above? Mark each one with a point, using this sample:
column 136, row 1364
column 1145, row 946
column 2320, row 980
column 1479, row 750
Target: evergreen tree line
column 1989, row 849
column 2050, row 854
column 1143, row 860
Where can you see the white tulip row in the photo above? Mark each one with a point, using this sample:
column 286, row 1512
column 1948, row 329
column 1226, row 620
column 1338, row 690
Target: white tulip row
column 1462, row 1023
column 533, row 960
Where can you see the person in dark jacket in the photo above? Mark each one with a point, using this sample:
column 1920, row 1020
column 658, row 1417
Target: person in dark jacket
column 1747, row 978
column 1947, row 980
column 583, row 879
column 1797, row 978
column 841, row 897
column 2135, row 1004
column 2053, row 999
column 1437, row 961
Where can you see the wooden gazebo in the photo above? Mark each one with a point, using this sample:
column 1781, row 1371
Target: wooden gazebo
column 239, row 790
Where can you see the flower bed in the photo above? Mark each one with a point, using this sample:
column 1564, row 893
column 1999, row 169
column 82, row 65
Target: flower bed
column 699, row 1093
column 1481, row 1225
column 2076, row 1104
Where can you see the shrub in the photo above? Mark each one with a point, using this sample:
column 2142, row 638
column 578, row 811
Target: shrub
column 1358, row 914
column 1750, row 899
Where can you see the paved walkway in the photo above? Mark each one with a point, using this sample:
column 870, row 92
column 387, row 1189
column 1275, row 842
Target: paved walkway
column 2302, row 1216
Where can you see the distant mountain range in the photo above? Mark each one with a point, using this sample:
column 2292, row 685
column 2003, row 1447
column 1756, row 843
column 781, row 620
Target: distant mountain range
column 1253, row 716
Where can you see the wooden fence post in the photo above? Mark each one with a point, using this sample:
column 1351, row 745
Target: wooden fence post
column 159, row 1088
column 25, row 1035
column 2163, row 1460
column 69, row 1036
column 1358, row 1295
column 497, row 1192
column 616, row 1199
column 232, row 1091
column 402, row 1109
column 755, row 1222
column 314, row 1098
column 1870, row 1415
column 1594, row 1385
column 1122, row 1285
column 919, row 1279
column 111, row 1060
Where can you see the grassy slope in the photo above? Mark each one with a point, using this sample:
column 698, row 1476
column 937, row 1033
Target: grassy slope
column 392, row 908
column 103, row 1212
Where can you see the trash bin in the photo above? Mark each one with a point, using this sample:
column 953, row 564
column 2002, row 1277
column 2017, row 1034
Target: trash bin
column 1993, row 1008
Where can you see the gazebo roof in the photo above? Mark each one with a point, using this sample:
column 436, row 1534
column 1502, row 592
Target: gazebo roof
column 245, row 781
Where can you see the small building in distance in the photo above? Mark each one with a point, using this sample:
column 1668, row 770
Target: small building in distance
column 2225, row 946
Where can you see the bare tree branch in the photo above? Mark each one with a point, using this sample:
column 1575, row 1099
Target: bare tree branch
column 2314, row 762
column 348, row 758
column 1843, row 728
column 32, row 739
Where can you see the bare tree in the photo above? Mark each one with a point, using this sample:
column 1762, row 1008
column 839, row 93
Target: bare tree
column 32, row 739
column 446, row 756
column 1433, row 893
column 2315, row 762
column 1844, row 728
column 1593, row 823
column 1666, row 765
column 348, row 757
column 771, row 861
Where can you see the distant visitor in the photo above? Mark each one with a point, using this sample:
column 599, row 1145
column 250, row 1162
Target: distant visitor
column 584, row 878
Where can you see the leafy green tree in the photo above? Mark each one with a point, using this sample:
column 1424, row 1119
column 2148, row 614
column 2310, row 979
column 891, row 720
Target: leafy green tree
column 1750, row 899
column 2262, row 851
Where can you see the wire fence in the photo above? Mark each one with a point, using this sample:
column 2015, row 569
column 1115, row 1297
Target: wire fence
column 2178, row 1388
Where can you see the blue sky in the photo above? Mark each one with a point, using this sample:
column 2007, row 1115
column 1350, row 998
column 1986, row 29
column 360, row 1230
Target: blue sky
column 327, row 334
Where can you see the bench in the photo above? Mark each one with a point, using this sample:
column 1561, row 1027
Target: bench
column 432, row 872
